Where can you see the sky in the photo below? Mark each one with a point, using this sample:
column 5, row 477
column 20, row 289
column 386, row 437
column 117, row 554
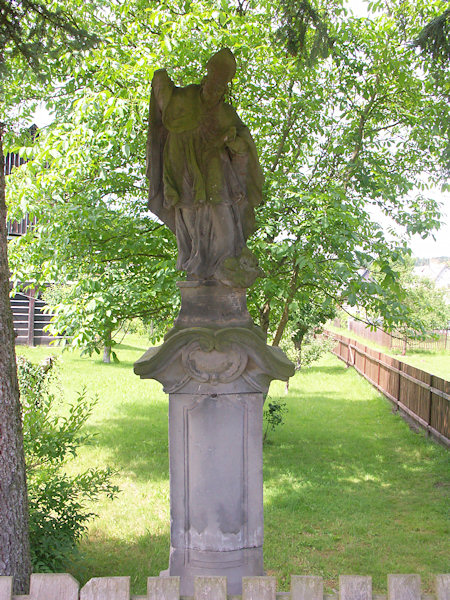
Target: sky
column 434, row 246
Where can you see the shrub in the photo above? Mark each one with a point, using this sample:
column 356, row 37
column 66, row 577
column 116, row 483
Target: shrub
column 273, row 416
column 309, row 351
column 57, row 502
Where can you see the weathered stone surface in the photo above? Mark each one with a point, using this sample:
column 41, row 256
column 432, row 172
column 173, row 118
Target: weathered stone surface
column 163, row 588
column 205, row 178
column 53, row 586
column 443, row 587
column 106, row 588
column 205, row 181
column 6, row 584
column 403, row 587
column 216, row 487
column 355, row 587
column 206, row 588
column 205, row 359
column 259, row 588
column 209, row 302
column 306, row 587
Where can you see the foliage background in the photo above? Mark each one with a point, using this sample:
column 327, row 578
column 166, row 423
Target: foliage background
column 350, row 120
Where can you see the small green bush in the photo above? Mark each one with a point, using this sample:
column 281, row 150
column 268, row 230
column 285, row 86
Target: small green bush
column 273, row 416
column 312, row 348
column 57, row 502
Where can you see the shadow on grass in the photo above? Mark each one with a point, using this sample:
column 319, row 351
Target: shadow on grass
column 137, row 440
column 146, row 556
column 347, row 484
column 349, row 488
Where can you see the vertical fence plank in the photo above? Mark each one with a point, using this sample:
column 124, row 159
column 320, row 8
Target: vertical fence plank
column 259, row 588
column 106, row 588
column 31, row 317
column 443, row 587
column 355, row 587
column 163, row 588
column 306, row 587
column 403, row 587
column 418, row 391
column 6, row 584
column 53, row 586
column 440, row 408
column 210, row 588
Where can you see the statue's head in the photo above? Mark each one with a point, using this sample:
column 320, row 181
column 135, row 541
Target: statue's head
column 221, row 68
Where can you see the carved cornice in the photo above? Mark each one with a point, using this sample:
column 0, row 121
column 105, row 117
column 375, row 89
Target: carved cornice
column 201, row 359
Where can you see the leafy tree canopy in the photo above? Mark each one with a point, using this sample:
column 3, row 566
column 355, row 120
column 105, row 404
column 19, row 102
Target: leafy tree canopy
column 341, row 139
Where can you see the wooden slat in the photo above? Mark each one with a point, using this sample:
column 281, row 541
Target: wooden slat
column 420, row 395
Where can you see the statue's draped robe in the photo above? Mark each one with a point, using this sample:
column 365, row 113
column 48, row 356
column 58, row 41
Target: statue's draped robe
column 202, row 186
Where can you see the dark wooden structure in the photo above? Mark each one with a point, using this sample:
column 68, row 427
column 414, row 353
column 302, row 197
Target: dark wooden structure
column 16, row 228
column 28, row 309
column 30, row 319
column 417, row 394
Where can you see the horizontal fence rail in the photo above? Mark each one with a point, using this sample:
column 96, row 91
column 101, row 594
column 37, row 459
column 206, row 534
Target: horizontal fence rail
column 420, row 395
column 438, row 340
column 351, row 587
column 30, row 320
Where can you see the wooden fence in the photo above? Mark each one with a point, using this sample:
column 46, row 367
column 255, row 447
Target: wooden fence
column 421, row 396
column 351, row 587
column 30, row 320
column 439, row 341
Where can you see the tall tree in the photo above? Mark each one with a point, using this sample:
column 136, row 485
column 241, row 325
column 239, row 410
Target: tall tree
column 341, row 140
column 30, row 34
column 14, row 541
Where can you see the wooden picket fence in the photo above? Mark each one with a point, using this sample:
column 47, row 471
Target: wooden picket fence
column 438, row 340
column 421, row 396
column 351, row 587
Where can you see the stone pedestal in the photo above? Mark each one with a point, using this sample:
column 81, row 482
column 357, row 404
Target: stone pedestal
column 217, row 377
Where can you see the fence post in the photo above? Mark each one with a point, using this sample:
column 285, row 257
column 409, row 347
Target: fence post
column 306, row 587
column 106, row 588
column 379, row 368
column 400, row 365
column 355, row 587
column 404, row 587
column 430, row 405
column 53, row 586
column 443, row 587
column 259, row 588
column 31, row 307
column 210, row 588
column 6, row 584
column 163, row 588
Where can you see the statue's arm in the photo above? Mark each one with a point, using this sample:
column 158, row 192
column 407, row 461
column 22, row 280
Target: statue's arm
column 162, row 87
column 244, row 157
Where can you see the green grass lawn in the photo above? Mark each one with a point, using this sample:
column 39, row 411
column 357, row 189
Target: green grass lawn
column 348, row 488
column 437, row 363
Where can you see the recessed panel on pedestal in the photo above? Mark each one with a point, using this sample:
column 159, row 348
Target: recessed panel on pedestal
column 215, row 472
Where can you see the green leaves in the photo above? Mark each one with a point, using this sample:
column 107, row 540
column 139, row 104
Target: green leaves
column 339, row 139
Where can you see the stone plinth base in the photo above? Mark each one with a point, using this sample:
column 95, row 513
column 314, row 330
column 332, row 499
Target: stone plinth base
column 216, row 487
column 205, row 303
column 216, row 367
column 240, row 563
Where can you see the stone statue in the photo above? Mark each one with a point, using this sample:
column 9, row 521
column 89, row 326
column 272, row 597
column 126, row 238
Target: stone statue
column 205, row 178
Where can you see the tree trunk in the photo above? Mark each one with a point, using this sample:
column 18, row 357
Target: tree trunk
column 14, row 540
column 107, row 347
column 298, row 346
column 285, row 316
column 264, row 316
